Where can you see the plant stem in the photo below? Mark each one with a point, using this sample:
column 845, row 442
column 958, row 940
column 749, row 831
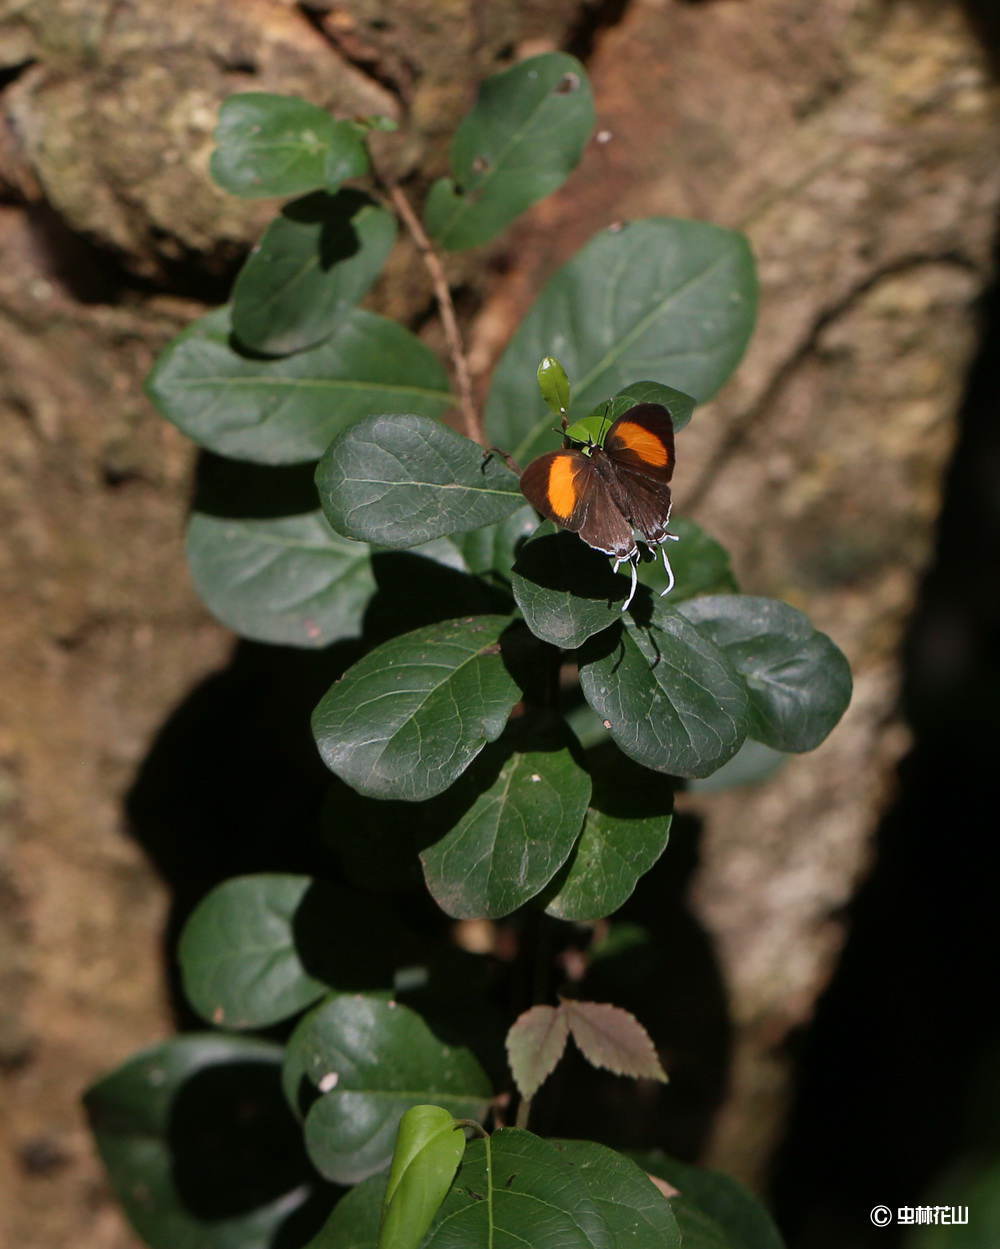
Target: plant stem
column 459, row 362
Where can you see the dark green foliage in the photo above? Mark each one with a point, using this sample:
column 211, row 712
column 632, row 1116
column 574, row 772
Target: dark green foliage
column 473, row 635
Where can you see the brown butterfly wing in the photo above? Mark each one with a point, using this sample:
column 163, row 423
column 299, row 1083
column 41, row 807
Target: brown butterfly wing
column 566, row 487
column 640, row 448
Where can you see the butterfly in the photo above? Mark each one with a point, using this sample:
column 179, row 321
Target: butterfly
column 604, row 493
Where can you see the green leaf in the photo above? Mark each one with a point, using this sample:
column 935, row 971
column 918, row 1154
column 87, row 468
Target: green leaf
column 636, row 1213
column 260, row 948
column 399, row 481
column 752, row 764
column 520, row 142
column 289, row 580
column 669, row 299
column 281, row 145
column 516, row 1189
column 594, row 427
column 199, row 1144
column 490, row 551
column 521, row 812
column 285, row 410
column 554, row 385
column 429, row 1148
column 409, row 718
column 625, row 831
column 714, row 1211
column 356, row 1218
column 612, row 1038
column 313, row 264
column 666, row 694
column 798, row 682
column 371, row 1060
column 565, row 589
column 535, row 1043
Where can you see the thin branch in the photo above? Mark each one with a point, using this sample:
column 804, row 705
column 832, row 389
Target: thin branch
column 459, row 362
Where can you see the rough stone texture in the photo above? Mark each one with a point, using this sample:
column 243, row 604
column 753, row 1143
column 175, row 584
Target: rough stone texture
column 855, row 141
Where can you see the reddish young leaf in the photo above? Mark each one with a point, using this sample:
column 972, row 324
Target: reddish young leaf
column 535, row 1044
column 612, row 1038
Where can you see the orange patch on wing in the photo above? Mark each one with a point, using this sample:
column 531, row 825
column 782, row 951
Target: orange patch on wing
column 561, row 492
column 645, row 445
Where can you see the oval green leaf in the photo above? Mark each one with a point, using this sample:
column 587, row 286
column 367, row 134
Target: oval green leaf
column 636, row 1213
column 520, row 142
column 516, row 1189
column 399, row 481
column 429, row 1148
column 260, row 948
column 356, row 1218
column 200, row 1146
column 666, row 694
column 554, row 385
column 281, row 145
column 313, row 264
column 625, row 831
column 285, row 410
column 669, row 299
column 514, row 835
column 409, row 718
column 713, row 1210
column 289, row 580
column 371, row 1060
column 565, row 589
column 798, row 681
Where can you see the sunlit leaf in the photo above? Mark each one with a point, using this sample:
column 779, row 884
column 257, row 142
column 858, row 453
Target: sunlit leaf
column 663, row 299
column 285, row 410
column 666, row 694
column 402, row 480
column 409, row 718
column 289, row 580
column 314, row 263
column 799, row 683
column 520, row 813
column 282, row 145
column 522, row 139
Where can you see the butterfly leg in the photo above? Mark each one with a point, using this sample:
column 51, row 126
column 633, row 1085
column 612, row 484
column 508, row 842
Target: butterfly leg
column 673, row 537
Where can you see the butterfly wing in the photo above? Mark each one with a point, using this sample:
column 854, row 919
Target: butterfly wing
column 640, row 448
column 566, row 487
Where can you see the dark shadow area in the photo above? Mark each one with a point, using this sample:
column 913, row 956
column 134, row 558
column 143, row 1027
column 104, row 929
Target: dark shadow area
column 660, row 966
column 234, row 1144
column 889, row 1067
column 984, row 18
column 233, row 783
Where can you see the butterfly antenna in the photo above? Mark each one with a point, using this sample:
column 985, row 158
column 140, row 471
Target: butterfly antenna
column 604, row 421
column 666, row 562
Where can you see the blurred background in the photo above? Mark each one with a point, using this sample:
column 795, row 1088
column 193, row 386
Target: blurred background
column 845, row 907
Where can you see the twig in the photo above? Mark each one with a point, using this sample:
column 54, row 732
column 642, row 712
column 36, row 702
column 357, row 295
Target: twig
column 460, row 364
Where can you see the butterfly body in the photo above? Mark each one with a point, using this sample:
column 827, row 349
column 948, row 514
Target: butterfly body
column 607, row 493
